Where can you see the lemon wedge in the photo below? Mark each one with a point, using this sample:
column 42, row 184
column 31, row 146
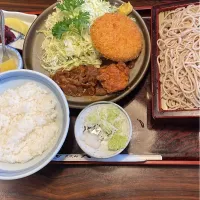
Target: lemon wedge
column 17, row 25
column 8, row 65
column 125, row 8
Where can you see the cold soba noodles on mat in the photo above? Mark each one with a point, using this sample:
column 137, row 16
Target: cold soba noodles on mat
column 179, row 58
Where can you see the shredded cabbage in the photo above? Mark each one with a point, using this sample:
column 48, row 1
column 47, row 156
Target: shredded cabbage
column 117, row 142
column 73, row 49
column 111, row 120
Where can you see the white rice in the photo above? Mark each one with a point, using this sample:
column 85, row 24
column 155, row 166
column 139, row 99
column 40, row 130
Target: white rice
column 28, row 122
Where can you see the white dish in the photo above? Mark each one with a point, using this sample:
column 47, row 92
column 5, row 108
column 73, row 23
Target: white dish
column 15, row 78
column 13, row 53
column 27, row 19
column 79, row 129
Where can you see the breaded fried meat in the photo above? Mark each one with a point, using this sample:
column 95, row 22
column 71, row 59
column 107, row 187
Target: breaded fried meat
column 114, row 77
column 116, row 37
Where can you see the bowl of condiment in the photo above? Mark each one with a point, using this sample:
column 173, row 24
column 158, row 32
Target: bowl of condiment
column 34, row 122
column 14, row 61
column 103, row 129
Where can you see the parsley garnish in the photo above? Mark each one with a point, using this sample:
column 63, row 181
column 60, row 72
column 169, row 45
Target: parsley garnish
column 60, row 27
column 69, row 5
column 78, row 22
column 68, row 24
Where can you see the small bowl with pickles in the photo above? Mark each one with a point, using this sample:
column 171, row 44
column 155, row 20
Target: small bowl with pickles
column 14, row 62
column 103, row 129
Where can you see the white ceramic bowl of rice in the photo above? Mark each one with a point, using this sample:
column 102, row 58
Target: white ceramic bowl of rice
column 38, row 128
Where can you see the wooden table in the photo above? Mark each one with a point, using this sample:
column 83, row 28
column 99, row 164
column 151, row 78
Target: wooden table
column 100, row 182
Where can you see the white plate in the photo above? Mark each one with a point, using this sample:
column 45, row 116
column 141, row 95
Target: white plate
column 27, row 19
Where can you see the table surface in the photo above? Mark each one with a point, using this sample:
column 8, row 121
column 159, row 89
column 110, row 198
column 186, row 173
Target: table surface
column 100, row 182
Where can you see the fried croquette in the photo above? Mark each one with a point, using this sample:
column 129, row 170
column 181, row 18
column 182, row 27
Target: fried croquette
column 114, row 77
column 116, row 37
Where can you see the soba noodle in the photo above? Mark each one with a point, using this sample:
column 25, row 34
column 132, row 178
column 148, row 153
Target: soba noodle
column 179, row 58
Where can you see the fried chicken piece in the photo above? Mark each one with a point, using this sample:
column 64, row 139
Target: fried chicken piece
column 114, row 77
